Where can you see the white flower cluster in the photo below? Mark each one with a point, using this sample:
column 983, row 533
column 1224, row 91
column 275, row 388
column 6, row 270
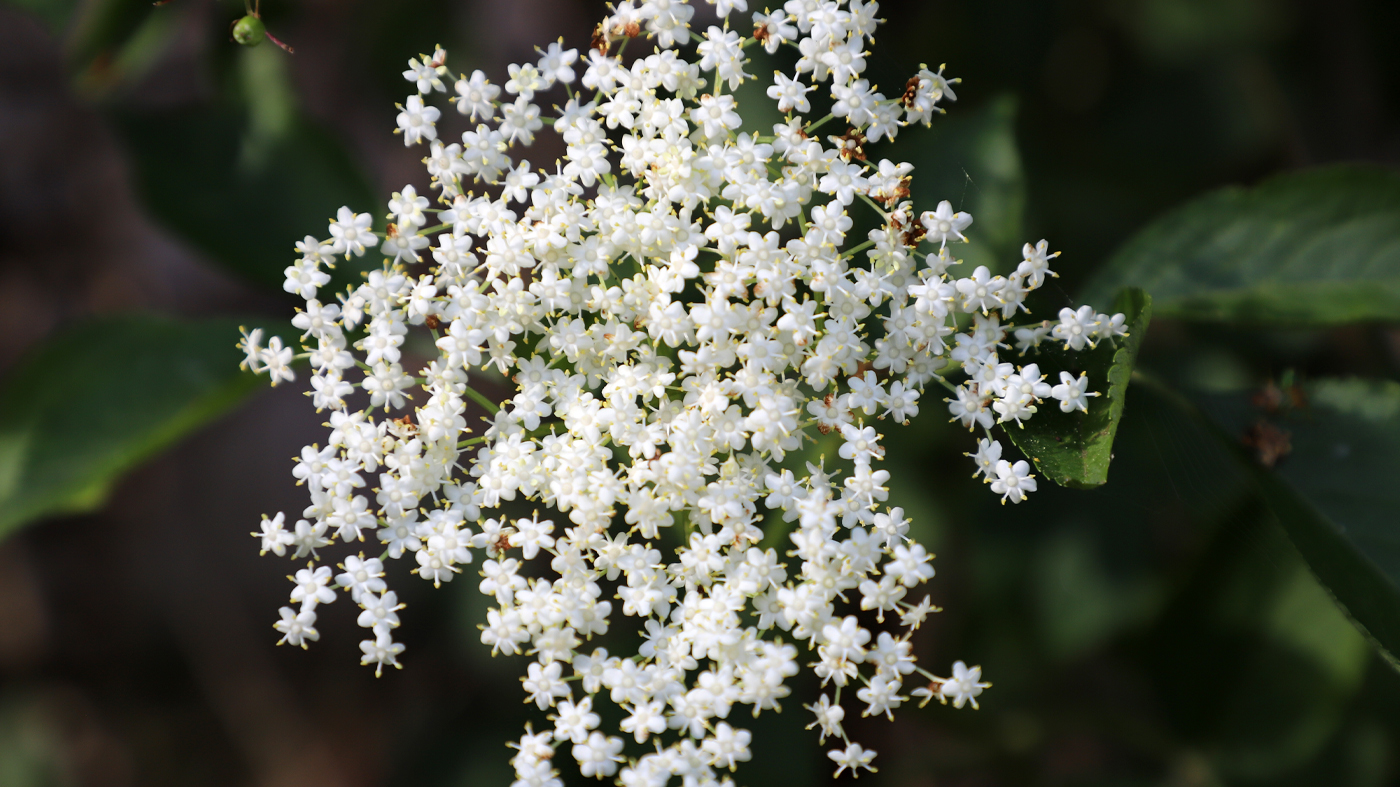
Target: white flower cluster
column 681, row 316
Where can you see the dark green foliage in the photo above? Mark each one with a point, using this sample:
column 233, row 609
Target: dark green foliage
column 1333, row 488
column 254, row 197
column 100, row 397
column 1317, row 247
column 1074, row 449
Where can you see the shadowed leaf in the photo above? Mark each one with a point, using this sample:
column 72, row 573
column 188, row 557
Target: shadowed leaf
column 1074, row 449
column 98, row 398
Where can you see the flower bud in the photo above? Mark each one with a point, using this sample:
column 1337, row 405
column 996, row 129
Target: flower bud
column 249, row 31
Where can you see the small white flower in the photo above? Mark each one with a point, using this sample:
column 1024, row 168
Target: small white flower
column 598, row 756
column 525, row 80
column 297, row 627
column 544, row 683
column 556, row 63
column 1036, row 265
column 1073, row 392
column 476, row 97
column 416, row 121
column 965, row 686
column 310, row 587
column 574, row 720
column 854, row 757
column 1013, row 481
column 775, row 29
column 943, row 224
column 727, row 747
column 380, row 612
column 351, row 233
column 1076, row 327
column 829, row 718
column 274, row 538
column 520, row 121
column 855, row 102
column 381, row 651
column 427, row 74
column 361, row 576
column 790, row 93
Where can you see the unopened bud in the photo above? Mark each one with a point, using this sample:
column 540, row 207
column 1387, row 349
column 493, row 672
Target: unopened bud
column 249, row 31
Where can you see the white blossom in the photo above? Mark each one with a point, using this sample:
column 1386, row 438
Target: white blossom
column 965, row 686
column 658, row 328
column 297, row 627
column 417, row 120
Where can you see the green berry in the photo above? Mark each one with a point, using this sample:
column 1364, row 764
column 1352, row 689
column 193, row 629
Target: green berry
column 249, row 31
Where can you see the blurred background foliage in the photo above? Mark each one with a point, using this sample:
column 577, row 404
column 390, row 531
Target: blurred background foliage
column 1168, row 628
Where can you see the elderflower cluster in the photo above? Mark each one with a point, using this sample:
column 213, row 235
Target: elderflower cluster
column 661, row 327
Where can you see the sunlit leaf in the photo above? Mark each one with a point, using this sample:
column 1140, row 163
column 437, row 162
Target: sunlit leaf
column 1320, row 247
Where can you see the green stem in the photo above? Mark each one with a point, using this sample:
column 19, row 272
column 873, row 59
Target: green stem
column 854, row 250
column 816, row 124
column 480, row 398
column 875, row 205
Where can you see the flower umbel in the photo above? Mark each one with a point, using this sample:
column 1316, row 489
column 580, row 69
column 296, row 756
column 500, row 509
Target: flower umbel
column 678, row 312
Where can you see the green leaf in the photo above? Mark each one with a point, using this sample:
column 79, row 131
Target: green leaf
column 244, row 185
column 107, row 43
column 1074, row 449
column 98, row 398
column 245, row 214
column 1335, row 491
column 1319, row 247
column 1332, row 490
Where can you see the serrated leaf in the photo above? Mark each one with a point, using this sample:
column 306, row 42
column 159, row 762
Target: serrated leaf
column 1318, row 247
column 1333, row 490
column 93, row 401
column 1074, row 449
